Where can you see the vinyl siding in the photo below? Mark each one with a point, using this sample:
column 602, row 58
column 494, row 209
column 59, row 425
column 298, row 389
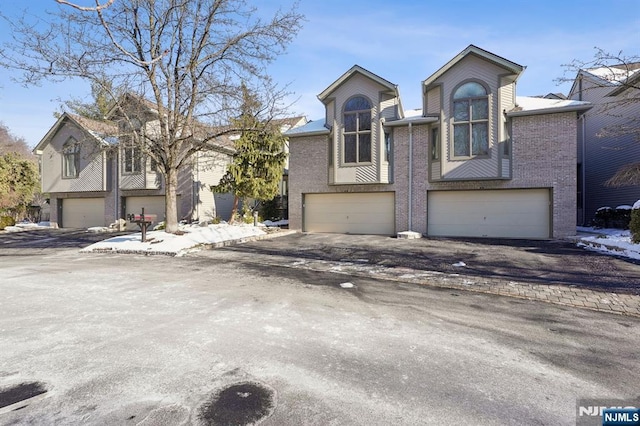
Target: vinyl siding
column 210, row 169
column 388, row 107
column 92, row 174
column 434, row 100
column 506, row 102
column 604, row 155
column 131, row 180
column 471, row 68
column 352, row 174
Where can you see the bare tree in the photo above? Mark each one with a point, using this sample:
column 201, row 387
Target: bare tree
column 616, row 79
column 95, row 8
column 12, row 143
column 187, row 57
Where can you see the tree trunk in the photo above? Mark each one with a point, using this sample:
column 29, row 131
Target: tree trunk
column 171, row 205
column 234, row 209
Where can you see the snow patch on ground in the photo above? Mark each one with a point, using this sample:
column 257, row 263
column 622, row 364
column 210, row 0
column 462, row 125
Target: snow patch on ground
column 610, row 241
column 27, row 226
column 271, row 223
column 160, row 242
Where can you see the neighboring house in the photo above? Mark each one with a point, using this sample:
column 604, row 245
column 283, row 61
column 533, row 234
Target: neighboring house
column 92, row 179
column 475, row 161
column 608, row 135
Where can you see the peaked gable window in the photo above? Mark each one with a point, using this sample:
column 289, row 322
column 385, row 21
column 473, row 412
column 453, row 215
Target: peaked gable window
column 470, row 120
column 70, row 159
column 357, row 130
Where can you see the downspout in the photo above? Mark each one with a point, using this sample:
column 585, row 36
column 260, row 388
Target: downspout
column 116, row 190
column 410, row 176
column 195, row 189
column 583, row 118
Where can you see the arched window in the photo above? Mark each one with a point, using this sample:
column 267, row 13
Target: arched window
column 470, row 120
column 70, row 158
column 357, row 130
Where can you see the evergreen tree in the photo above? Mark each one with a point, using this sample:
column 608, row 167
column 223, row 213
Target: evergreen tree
column 18, row 174
column 103, row 96
column 259, row 160
column 18, row 182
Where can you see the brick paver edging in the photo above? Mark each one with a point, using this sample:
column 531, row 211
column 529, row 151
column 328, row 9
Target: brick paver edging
column 558, row 294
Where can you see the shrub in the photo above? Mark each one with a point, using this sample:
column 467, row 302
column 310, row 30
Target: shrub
column 248, row 218
column 6, row 221
column 634, row 224
column 604, row 216
column 622, row 217
column 275, row 209
column 247, row 215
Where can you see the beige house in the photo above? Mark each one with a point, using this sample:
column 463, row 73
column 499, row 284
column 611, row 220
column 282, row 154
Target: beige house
column 475, row 161
column 93, row 180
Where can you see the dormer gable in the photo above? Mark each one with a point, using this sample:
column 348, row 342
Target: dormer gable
column 356, row 105
column 468, row 95
column 509, row 66
column 355, row 70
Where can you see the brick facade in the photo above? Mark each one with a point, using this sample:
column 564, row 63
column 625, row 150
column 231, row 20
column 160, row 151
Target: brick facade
column 519, row 143
column 544, row 156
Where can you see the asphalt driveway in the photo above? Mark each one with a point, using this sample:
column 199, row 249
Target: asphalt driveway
column 153, row 340
column 526, row 261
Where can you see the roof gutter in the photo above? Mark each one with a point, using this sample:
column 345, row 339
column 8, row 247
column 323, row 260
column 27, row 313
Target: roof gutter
column 524, row 113
column 409, row 122
column 311, row 133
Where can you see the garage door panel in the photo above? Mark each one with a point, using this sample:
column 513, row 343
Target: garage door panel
column 355, row 213
column 489, row 213
column 83, row 212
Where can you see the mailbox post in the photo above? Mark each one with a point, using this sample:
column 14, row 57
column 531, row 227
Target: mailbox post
column 143, row 221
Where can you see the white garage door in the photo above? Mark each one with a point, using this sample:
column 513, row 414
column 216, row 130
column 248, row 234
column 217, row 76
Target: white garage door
column 352, row 213
column 523, row 213
column 152, row 205
column 82, row 212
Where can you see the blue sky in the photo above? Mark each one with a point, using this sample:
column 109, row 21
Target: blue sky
column 403, row 41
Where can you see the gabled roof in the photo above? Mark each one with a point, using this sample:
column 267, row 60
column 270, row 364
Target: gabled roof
column 481, row 53
column 619, row 77
column 103, row 132
column 142, row 104
column 529, row 105
column 356, row 69
column 290, row 122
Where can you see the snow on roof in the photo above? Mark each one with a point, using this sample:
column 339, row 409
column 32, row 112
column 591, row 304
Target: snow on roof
column 528, row 105
column 413, row 113
column 312, row 127
column 615, row 75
